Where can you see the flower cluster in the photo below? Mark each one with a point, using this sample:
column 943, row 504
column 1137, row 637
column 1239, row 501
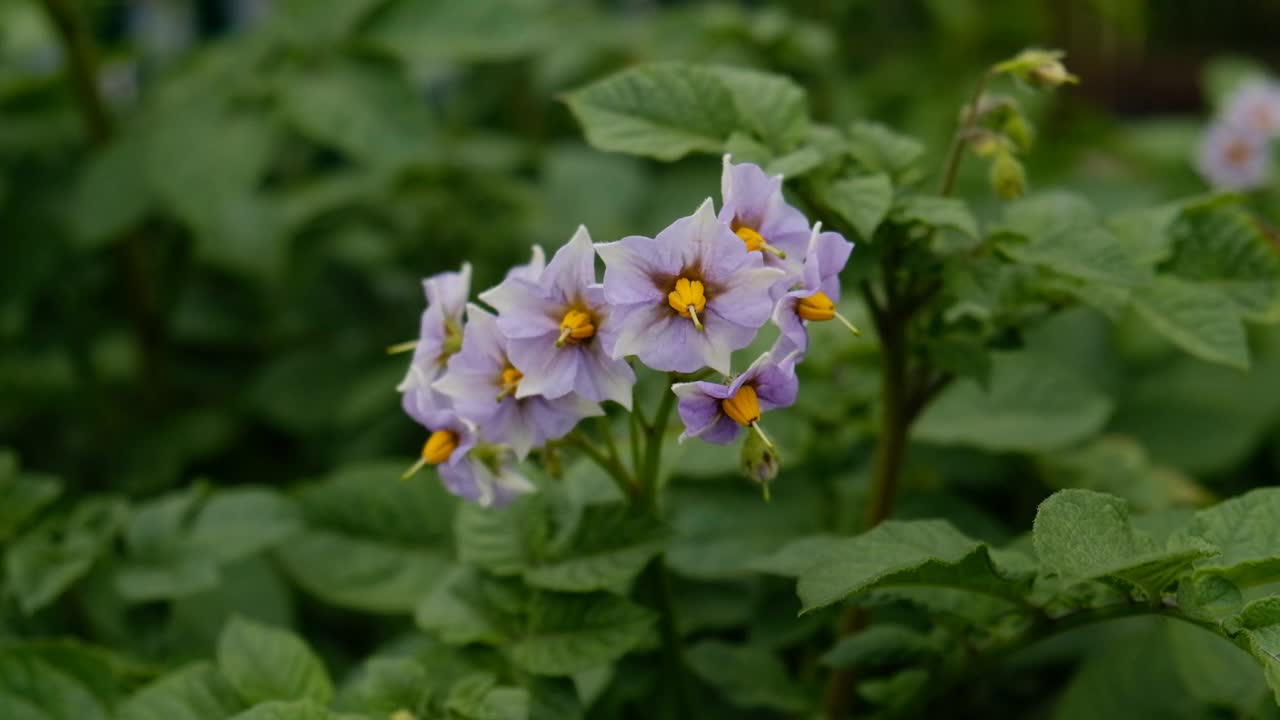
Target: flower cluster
column 1235, row 151
column 490, row 387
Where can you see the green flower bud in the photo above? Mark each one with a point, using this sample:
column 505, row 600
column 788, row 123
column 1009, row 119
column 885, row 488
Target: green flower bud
column 760, row 462
column 1041, row 68
column 1008, row 178
column 1017, row 129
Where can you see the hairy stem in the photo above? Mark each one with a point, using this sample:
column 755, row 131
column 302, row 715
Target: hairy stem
column 131, row 253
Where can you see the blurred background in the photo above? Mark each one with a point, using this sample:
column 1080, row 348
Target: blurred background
column 215, row 214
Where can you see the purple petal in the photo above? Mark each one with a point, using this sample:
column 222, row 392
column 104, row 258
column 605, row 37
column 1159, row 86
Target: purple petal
column 793, row 334
column 744, row 297
column 548, row 370
column 777, row 387
column 530, row 313
column 449, row 291
column 722, row 432
column 571, row 270
column 630, row 265
column 498, row 297
column 601, row 377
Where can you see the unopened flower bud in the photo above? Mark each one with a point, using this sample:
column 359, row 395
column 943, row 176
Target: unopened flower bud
column 1008, row 178
column 760, row 461
column 1018, row 130
column 1041, row 68
column 985, row 143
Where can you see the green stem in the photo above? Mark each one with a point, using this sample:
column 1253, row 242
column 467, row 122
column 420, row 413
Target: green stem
column 610, row 464
column 962, row 136
column 655, row 434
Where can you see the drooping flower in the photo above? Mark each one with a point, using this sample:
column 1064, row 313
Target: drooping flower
column 756, row 211
column 484, row 386
column 717, row 413
column 440, row 336
column 475, row 471
column 557, row 329
column 814, row 298
column 1255, row 107
column 499, row 295
column 1234, row 158
column 687, row 298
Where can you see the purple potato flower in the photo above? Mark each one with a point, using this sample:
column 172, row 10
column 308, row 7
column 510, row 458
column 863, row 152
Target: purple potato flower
column 484, row 384
column 755, row 210
column 1255, row 107
column 499, row 295
column 1234, row 158
column 483, row 474
column 687, row 298
column 815, row 296
column 717, row 413
column 439, row 337
column 557, row 328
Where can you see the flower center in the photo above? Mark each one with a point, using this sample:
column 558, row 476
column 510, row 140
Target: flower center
column 439, row 446
column 688, row 298
column 511, row 378
column 575, row 327
column 744, row 407
column 1237, row 153
column 816, row 307
column 755, row 241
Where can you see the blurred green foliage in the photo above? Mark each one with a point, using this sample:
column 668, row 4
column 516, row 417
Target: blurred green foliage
column 197, row 288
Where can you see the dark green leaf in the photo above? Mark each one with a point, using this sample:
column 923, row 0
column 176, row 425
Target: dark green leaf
column 747, row 676
column 196, row 692
column 264, row 663
column 567, row 634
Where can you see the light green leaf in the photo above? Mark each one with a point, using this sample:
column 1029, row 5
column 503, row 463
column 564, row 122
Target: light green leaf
column 1081, row 535
column 880, row 149
column 479, row 697
column 239, row 522
column 196, row 692
column 42, row 564
column 368, row 112
column 455, row 612
column 422, row 34
column 567, row 634
column 1062, row 233
column 384, row 685
column 1247, row 531
column 747, row 676
column 771, row 106
column 881, row 646
column 861, row 201
column 501, row 540
column 664, row 111
column 921, row 552
column 1031, row 404
column 32, row 688
column 939, row 212
column 611, row 545
column 264, row 663
column 286, row 710
column 1219, row 244
column 1197, row 318
column 793, row 164
column 22, row 495
column 369, row 500
column 374, row 576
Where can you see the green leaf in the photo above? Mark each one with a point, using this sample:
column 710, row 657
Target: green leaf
column 880, row 149
column 747, row 676
column 1197, row 318
column 196, row 692
column 1247, row 531
column 239, row 522
column 111, row 195
column 32, row 688
column 162, row 563
column 368, row 112
column 369, row 500
column 1081, row 535
column 771, row 106
column 1062, row 233
column 881, row 646
column 1219, row 244
column 264, row 663
column 42, row 564
column 22, row 495
column 455, row 610
column 567, row 634
column 920, row 552
column 1031, row 404
column 611, row 545
column 286, row 710
column 479, row 697
column 939, row 212
column 478, row 30
column 664, row 111
column 374, row 576
column 719, row 531
column 384, row 685
column 861, row 201
column 501, row 540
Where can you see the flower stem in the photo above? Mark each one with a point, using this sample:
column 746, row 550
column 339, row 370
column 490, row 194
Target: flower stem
column 962, row 136
column 607, row 462
column 655, row 434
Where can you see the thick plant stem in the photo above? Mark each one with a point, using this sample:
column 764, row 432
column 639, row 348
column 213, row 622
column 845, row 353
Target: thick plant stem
column 651, row 471
column 131, row 254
